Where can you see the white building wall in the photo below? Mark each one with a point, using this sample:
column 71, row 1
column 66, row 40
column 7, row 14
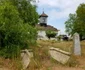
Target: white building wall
column 42, row 35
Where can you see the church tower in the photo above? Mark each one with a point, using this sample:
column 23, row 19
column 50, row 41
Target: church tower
column 43, row 19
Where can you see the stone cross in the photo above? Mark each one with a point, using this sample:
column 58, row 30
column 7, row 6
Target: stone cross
column 77, row 48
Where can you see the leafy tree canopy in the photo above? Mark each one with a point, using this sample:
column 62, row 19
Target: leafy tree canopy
column 51, row 34
column 14, row 33
column 76, row 22
column 27, row 11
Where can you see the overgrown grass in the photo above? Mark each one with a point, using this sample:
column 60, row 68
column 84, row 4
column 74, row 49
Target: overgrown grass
column 41, row 54
column 83, row 48
column 10, row 64
column 65, row 45
column 72, row 62
column 42, row 60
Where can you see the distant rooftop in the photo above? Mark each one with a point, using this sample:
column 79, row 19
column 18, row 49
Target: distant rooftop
column 48, row 27
column 43, row 15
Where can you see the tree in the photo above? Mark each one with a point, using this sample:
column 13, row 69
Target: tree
column 80, row 12
column 50, row 34
column 69, row 24
column 14, row 34
column 27, row 11
column 75, row 23
column 81, row 18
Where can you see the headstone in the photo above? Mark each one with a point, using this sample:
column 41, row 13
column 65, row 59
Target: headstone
column 59, row 55
column 26, row 56
column 77, row 48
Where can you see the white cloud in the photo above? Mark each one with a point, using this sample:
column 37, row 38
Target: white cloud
column 58, row 10
column 59, row 3
column 66, row 6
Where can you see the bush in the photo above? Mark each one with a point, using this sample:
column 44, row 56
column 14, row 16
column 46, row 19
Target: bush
column 59, row 38
column 17, row 38
column 14, row 34
column 50, row 34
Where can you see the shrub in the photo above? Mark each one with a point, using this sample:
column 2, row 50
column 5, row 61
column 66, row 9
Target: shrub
column 14, row 34
column 50, row 34
column 59, row 38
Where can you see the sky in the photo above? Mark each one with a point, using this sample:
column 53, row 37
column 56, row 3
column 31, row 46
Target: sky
column 58, row 11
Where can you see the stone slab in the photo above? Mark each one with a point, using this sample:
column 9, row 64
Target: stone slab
column 59, row 50
column 60, row 57
column 26, row 58
column 77, row 47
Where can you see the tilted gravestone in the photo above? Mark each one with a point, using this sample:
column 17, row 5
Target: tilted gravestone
column 59, row 55
column 77, row 48
column 26, row 58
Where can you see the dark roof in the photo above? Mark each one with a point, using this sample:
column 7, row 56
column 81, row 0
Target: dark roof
column 43, row 15
column 48, row 27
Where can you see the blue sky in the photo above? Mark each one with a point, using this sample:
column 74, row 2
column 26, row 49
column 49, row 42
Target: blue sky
column 58, row 11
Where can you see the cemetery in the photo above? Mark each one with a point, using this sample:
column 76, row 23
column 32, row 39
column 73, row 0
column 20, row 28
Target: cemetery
column 29, row 42
column 51, row 55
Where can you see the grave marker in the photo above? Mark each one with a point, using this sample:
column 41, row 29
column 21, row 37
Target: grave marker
column 77, row 48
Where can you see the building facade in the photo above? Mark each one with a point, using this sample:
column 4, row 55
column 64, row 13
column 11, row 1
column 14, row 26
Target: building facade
column 43, row 27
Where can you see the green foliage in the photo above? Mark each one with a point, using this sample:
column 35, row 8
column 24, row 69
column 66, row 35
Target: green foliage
column 27, row 11
column 80, row 12
column 69, row 24
column 50, row 34
column 59, row 38
column 81, row 19
column 75, row 23
column 14, row 34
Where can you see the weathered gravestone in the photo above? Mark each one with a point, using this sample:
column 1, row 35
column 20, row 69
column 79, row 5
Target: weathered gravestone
column 77, row 48
column 59, row 55
column 26, row 58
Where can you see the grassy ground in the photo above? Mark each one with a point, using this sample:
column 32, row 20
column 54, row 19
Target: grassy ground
column 43, row 61
column 7, row 64
column 65, row 45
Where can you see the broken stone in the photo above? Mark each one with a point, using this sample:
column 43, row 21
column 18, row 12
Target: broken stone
column 59, row 50
column 59, row 55
column 26, row 56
